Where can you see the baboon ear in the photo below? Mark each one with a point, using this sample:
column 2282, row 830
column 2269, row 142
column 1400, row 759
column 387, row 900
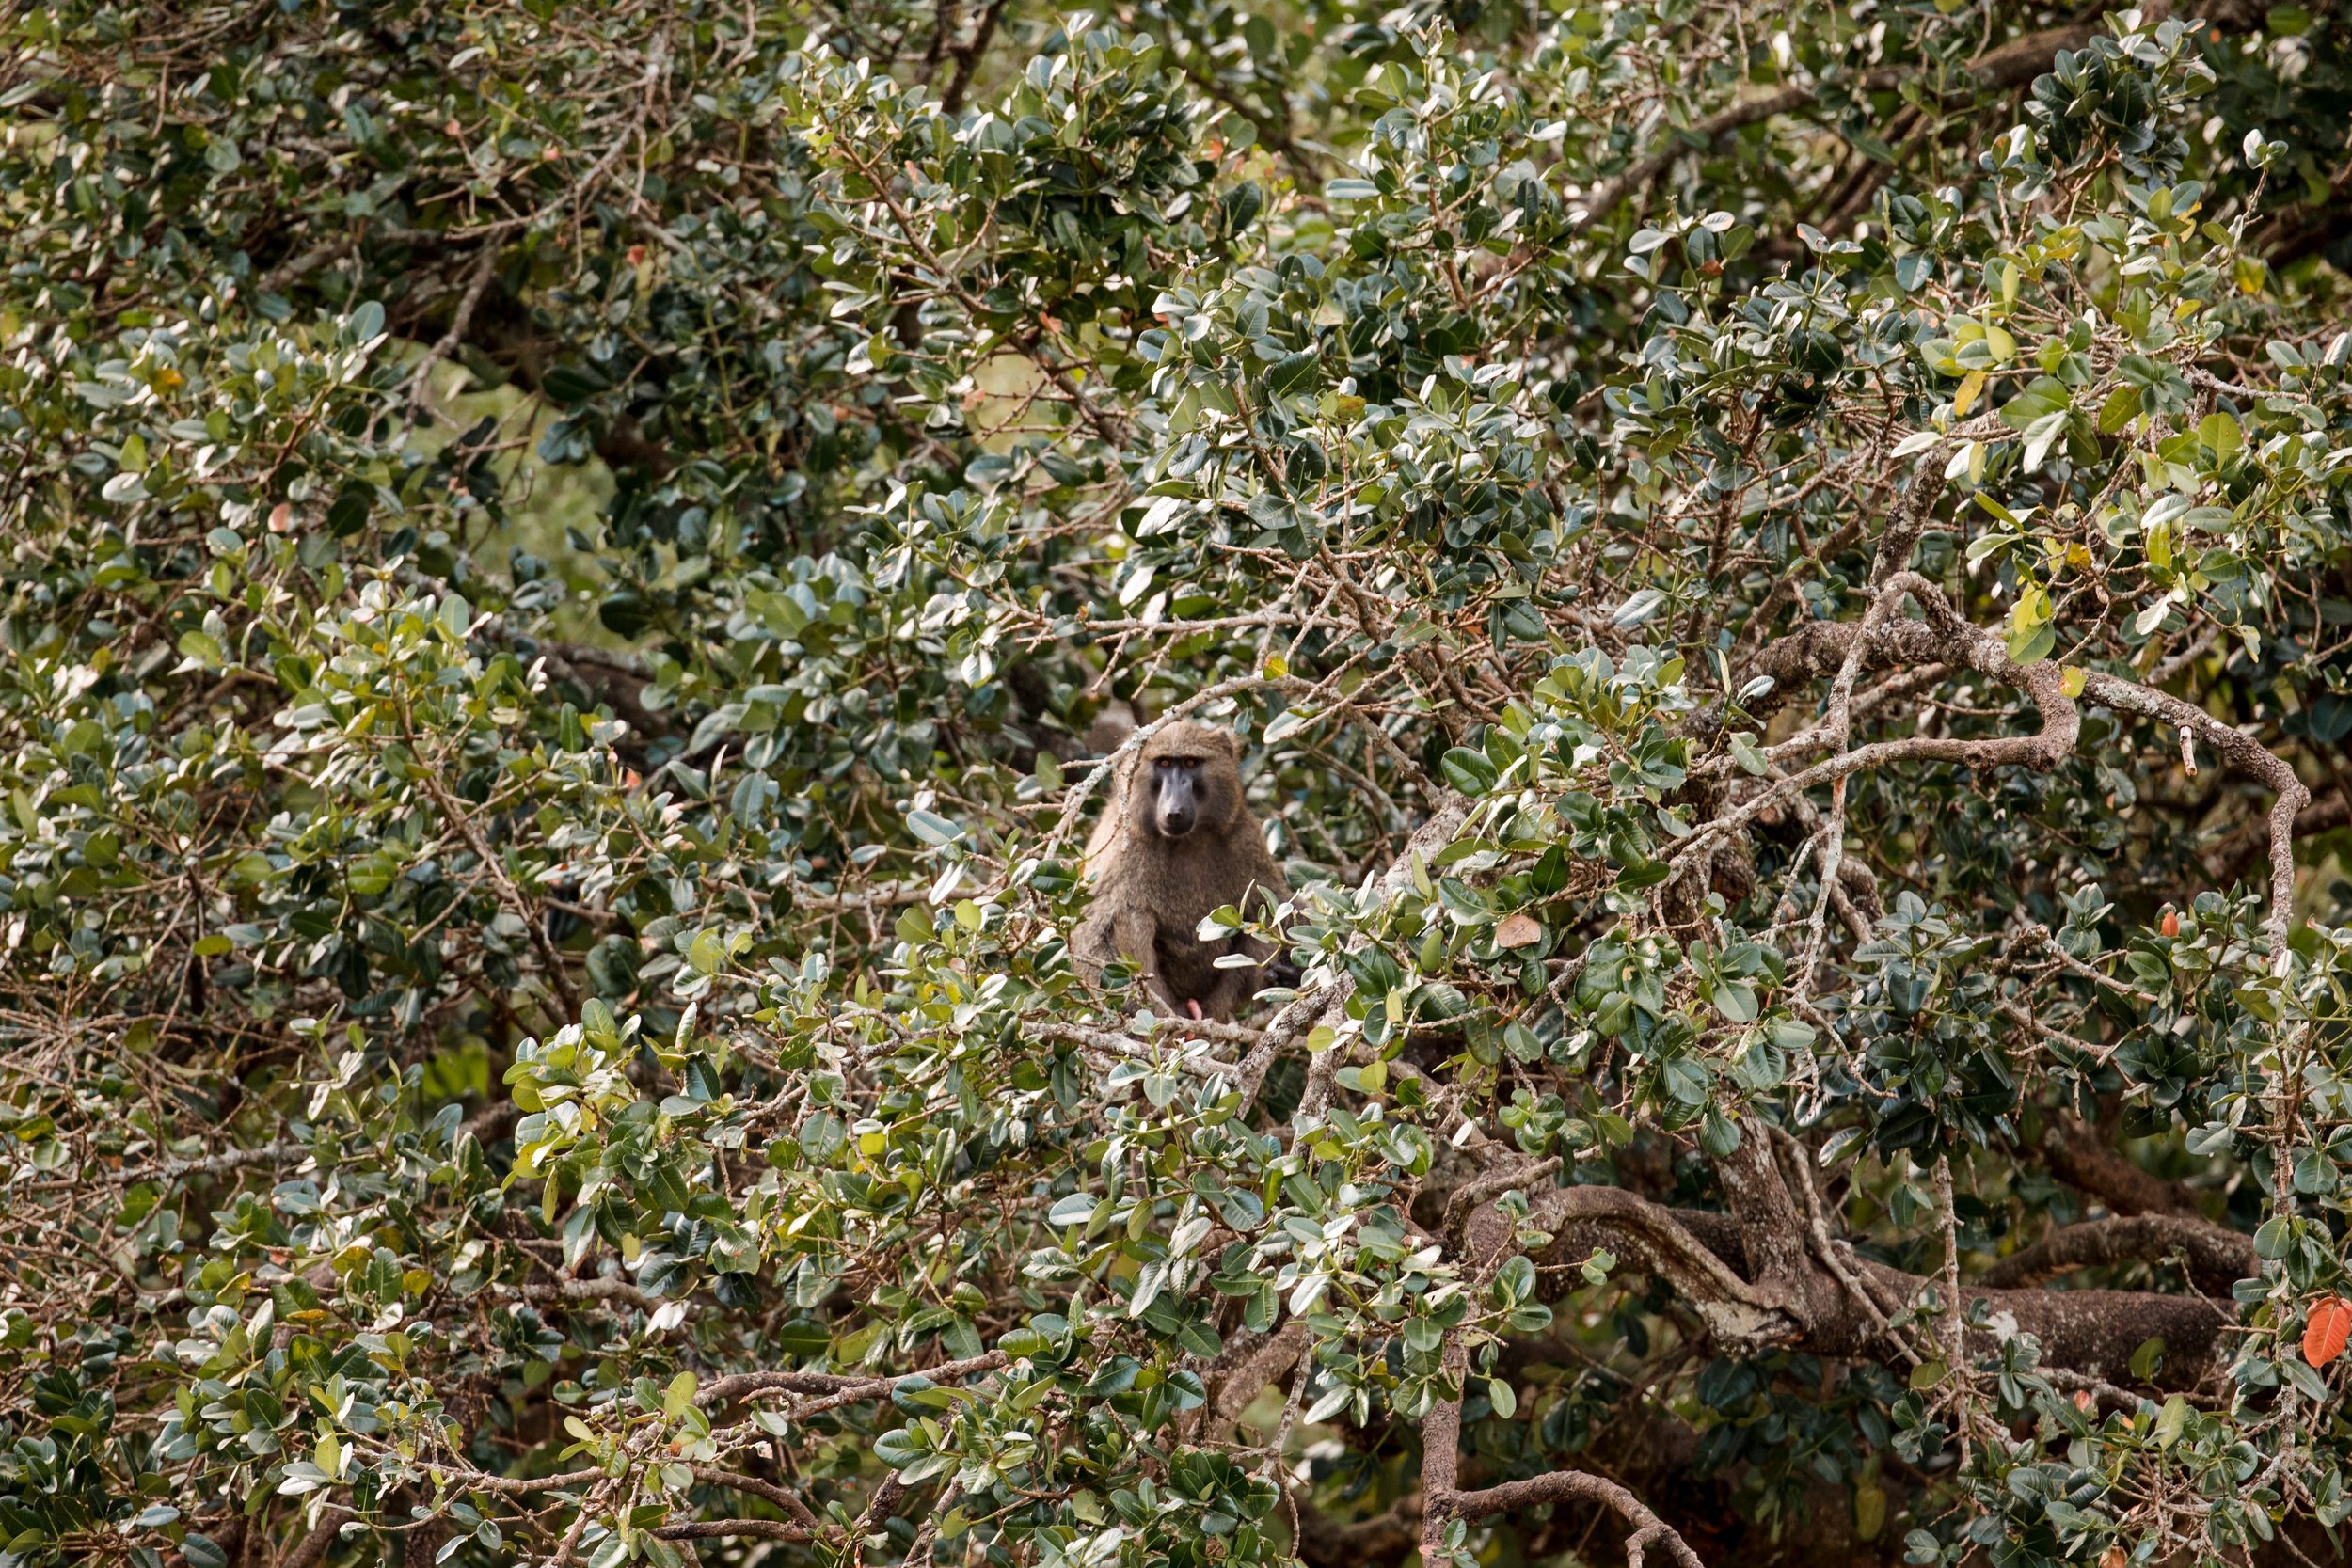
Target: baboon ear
column 1231, row 741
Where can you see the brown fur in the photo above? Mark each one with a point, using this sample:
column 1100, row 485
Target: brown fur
column 1152, row 890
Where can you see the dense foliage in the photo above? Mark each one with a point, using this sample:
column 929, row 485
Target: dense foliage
column 572, row 578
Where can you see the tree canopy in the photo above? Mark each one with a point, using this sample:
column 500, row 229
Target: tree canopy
column 576, row 575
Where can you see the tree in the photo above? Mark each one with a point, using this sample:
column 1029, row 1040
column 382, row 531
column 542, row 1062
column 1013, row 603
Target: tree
column 574, row 575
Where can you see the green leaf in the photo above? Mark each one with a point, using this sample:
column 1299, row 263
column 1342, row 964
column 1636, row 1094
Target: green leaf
column 1469, row 771
column 931, row 827
column 2121, row 407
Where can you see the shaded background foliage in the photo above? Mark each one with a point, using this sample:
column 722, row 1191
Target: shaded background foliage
column 1782, row 572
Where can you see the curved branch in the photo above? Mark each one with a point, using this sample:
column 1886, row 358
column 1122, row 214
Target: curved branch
column 2080, row 1156
column 737, row 1480
column 2218, row 1258
column 1821, row 648
column 1944, row 635
column 1559, row 1486
column 2246, row 754
column 1701, row 1255
column 1442, row 1498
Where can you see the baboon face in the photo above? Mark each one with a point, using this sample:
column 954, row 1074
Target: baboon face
column 1188, row 779
column 1176, row 792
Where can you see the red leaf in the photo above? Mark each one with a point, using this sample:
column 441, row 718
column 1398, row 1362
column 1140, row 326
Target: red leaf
column 2329, row 1326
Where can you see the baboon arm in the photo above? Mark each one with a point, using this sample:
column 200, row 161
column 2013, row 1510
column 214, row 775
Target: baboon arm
column 1234, row 990
column 1230, row 992
column 1137, row 936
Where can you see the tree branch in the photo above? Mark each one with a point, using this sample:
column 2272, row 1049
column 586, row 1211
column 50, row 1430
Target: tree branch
column 743, row 1384
column 2010, row 64
column 1702, row 1255
column 2216, row 1259
column 2250, row 756
column 2079, row 1156
column 726, row 1529
column 1442, row 1498
column 1816, row 649
column 1561, row 1485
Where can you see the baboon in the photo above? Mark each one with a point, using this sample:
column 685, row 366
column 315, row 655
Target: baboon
column 1176, row 843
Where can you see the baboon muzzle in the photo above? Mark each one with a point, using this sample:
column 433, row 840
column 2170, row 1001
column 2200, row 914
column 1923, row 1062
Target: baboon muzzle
column 1177, row 809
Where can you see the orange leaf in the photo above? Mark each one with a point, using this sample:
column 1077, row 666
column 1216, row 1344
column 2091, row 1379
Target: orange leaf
column 2328, row 1327
column 1519, row 931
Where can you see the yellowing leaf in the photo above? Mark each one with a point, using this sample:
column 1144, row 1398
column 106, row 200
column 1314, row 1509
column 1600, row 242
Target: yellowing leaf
column 1869, row 1511
column 1519, row 931
column 1970, row 389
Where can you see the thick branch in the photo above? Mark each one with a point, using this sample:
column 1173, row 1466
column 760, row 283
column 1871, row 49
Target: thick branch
column 1256, row 1362
column 1701, row 1255
column 724, row 1530
column 743, row 1384
column 1581, row 1219
column 2216, row 1259
column 307, row 1551
column 598, row 1289
column 760, row 1489
column 2079, row 1156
